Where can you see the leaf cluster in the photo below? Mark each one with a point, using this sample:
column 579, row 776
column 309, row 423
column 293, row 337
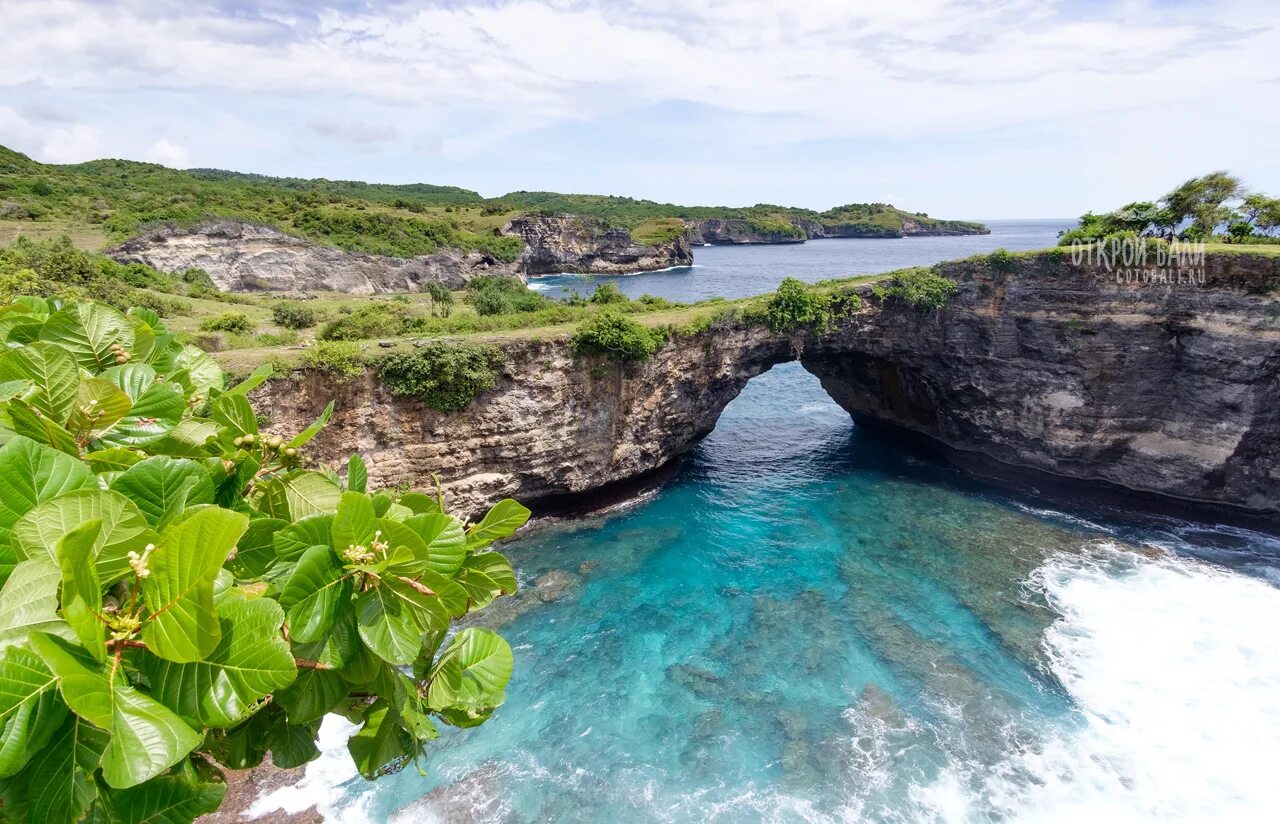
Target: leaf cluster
column 181, row 592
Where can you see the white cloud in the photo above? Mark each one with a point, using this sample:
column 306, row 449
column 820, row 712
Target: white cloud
column 472, row 77
column 167, row 153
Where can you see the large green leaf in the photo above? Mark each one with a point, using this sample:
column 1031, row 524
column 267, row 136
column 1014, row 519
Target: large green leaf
column 472, row 672
column 61, row 787
column 88, row 330
column 392, row 617
column 170, row 799
column 29, row 422
column 181, row 625
column 382, row 746
column 338, row 648
column 124, row 529
column 134, row 378
column 353, row 523
column 81, row 591
column 312, row 695
column 485, row 576
column 114, row 459
column 446, row 543
column 419, row 503
column 52, row 374
column 357, row 473
column 252, row 659
column 259, row 377
column 293, row 745
column 304, row 437
column 100, row 405
column 452, row 596
column 188, row 439
column 504, row 518
column 31, row 474
column 29, row 711
column 314, row 594
column 256, row 552
column 146, row 737
column 298, row 495
column 203, row 372
column 29, row 603
column 154, row 415
column 162, row 486
column 300, row 536
column 236, row 416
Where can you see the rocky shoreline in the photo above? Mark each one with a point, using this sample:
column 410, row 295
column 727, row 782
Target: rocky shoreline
column 245, row 257
column 1167, row 391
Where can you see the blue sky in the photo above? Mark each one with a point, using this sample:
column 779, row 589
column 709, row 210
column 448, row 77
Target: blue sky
column 960, row 108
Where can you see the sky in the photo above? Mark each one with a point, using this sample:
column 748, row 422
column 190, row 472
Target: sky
column 958, row 108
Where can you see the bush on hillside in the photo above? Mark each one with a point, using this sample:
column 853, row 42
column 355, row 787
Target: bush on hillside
column 292, row 314
column 921, row 288
column 500, row 295
column 372, row 320
column 796, row 305
column 446, row 376
column 617, row 337
column 235, row 322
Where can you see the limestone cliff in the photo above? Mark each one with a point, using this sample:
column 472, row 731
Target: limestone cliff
column 1164, row 389
column 566, row 243
column 242, row 257
column 797, row 228
column 732, row 232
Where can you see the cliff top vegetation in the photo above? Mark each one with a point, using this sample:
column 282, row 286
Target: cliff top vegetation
column 105, row 202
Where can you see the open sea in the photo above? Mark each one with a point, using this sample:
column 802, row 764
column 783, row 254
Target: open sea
column 813, row 623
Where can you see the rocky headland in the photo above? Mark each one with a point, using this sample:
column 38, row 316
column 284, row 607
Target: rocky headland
column 1167, row 390
column 566, row 243
column 244, row 257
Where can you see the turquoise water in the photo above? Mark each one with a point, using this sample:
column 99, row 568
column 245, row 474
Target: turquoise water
column 813, row 623
column 739, row 271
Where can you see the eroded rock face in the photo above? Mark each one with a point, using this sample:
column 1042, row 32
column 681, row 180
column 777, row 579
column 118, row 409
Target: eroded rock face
column 555, row 425
column 565, row 243
column 1164, row 388
column 1171, row 390
column 242, row 257
column 734, row 232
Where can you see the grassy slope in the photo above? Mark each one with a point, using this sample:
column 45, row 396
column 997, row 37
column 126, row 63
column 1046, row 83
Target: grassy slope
column 107, row 201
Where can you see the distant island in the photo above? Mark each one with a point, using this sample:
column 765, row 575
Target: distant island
column 220, row 221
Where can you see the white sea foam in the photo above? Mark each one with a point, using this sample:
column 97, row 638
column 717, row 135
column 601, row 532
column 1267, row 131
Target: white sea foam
column 1175, row 668
column 322, row 783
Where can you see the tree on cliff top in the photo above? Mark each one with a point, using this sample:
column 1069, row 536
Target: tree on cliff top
column 182, row 595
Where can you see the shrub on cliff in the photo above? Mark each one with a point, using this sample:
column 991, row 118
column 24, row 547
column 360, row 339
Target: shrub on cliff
column 235, row 322
column 343, row 359
column 500, row 295
column 292, row 314
column 372, row 320
column 920, row 288
column 446, row 376
column 796, row 305
column 181, row 594
column 616, row 336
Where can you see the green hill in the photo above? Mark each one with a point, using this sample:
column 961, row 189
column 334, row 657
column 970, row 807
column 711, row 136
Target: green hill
column 107, row 201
